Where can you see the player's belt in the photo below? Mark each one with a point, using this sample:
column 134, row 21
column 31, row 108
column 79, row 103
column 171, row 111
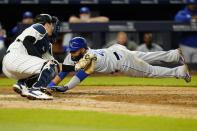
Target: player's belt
column 116, row 55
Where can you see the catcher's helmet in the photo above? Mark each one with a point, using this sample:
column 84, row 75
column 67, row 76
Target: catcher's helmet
column 46, row 18
column 42, row 19
column 77, row 43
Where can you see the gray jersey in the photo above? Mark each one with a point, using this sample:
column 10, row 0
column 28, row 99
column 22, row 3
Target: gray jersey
column 106, row 58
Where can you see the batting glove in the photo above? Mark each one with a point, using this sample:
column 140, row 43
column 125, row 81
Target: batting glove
column 59, row 88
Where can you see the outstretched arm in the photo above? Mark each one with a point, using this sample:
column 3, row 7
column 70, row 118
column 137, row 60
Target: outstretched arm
column 58, row 78
column 64, row 70
column 77, row 79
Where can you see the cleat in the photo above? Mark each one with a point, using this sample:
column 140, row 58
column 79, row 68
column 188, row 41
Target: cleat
column 187, row 77
column 181, row 57
column 35, row 94
column 21, row 89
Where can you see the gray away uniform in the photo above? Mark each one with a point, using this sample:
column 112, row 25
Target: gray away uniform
column 134, row 63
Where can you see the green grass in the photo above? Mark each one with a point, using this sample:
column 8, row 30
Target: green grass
column 122, row 81
column 61, row 120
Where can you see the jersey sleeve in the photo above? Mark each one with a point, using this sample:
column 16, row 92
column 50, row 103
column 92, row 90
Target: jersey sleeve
column 38, row 31
column 77, row 79
column 28, row 43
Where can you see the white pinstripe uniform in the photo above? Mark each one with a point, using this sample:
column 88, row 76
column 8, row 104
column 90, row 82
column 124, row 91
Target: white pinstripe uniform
column 17, row 64
column 134, row 63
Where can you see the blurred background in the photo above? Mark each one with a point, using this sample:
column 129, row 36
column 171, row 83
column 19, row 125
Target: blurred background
column 143, row 25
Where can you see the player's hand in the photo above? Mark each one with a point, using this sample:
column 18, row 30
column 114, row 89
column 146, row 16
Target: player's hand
column 59, row 88
column 85, row 61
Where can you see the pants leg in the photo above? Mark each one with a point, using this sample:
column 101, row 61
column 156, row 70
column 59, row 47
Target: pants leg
column 187, row 52
column 165, row 56
column 21, row 66
column 134, row 66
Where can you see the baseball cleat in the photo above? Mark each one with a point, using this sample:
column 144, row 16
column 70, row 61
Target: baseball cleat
column 187, row 75
column 35, row 94
column 181, row 57
column 21, row 89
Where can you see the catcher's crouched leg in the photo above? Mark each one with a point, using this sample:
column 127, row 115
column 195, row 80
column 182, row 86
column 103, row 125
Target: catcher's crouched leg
column 49, row 70
column 23, row 86
column 39, row 90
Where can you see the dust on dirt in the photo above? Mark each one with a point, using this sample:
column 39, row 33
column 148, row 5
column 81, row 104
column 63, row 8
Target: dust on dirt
column 148, row 101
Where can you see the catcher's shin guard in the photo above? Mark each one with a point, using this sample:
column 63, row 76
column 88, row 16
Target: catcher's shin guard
column 48, row 72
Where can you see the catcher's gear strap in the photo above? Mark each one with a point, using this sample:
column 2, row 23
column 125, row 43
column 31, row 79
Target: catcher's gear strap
column 67, row 68
column 47, row 73
column 56, row 65
column 28, row 43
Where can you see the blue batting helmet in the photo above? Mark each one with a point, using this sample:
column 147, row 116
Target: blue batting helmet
column 77, row 43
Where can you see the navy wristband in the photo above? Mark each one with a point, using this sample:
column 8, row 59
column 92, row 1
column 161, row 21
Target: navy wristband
column 62, row 75
column 81, row 75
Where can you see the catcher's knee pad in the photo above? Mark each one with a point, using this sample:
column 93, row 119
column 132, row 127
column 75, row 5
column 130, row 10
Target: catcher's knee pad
column 48, row 72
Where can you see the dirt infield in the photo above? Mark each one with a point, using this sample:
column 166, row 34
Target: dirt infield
column 149, row 101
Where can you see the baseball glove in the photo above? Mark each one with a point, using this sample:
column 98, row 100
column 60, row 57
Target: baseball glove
column 85, row 62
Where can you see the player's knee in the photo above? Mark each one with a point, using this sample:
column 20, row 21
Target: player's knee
column 48, row 72
column 50, row 69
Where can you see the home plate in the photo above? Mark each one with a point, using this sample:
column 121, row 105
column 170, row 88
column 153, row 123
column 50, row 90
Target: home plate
column 8, row 96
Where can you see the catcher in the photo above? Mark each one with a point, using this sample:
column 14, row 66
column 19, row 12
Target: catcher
column 29, row 59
